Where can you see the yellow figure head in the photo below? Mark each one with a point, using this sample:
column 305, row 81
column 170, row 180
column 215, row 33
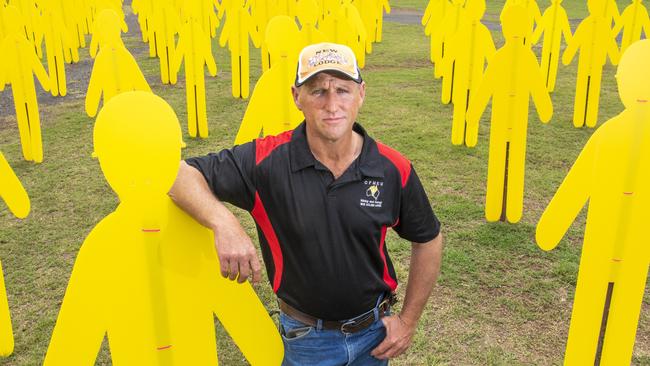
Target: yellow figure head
column 633, row 76
column 137, row 141
column 475, row 9
column 108, row 25
column 596, row 7
column 281, row 33
column 307, row 11
column 515, row 23
column 13, row 20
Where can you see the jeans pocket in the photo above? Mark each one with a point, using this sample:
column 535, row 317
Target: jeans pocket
column 293, row 330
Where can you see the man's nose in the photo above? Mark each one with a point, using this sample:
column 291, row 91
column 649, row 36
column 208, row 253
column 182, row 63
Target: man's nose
column 331, row 102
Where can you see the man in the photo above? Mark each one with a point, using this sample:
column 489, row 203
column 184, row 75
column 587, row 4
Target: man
column 323, row 197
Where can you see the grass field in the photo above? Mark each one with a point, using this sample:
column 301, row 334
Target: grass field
column 500, row 300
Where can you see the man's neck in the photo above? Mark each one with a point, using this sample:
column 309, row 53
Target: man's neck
column 336, row 155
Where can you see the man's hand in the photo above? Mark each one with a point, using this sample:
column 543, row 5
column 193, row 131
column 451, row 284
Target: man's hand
column 236, row 252
column 399, row 336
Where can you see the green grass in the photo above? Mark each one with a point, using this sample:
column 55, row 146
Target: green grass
column 499, row 301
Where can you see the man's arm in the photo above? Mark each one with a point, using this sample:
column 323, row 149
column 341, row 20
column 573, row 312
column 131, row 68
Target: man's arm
column 425, row 266
column 235, row 250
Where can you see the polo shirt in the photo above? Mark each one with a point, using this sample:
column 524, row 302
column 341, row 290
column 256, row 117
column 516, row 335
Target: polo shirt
column 323, row 239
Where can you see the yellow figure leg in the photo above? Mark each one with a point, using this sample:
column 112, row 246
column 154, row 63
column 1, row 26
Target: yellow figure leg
column 581, row 99
column 496, row 172
column 514, row 192
column 458, row 124
column 593, row 100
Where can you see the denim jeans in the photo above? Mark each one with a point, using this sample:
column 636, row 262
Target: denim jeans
column 323, row 347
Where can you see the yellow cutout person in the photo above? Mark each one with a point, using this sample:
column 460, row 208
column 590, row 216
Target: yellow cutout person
column 147, row 276
column 610, row 11
column 14, row 195
column 554, row 25
column 115, row 71
column 633, row 20
column 381, row 7
column 465, row 58
column 353, row 32
column 18, row 66
column 239, row 26
column 443, row 32
column 271, row 108
column 613, row 173
column 58, row 43
column 511, row 78
column 432, row 18
column 195, row 51
column 595, row 41
column 106, row 32
column 166, row 23
column 262, row 11
column 308, row 13
column 533, row 12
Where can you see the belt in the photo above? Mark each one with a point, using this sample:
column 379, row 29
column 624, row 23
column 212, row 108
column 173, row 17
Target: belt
column 353, row 325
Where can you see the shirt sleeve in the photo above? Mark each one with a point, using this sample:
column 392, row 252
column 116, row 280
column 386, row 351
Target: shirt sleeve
column 229, row 174
column 417, row 222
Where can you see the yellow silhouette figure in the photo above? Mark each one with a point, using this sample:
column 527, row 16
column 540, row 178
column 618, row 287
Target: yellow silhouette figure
column 194, row 49
column 613, row 173
column 465, row 59
column 381, row 7
column 147, row 276
column 610, row 11
column 236, row 31
column 353, row 32
column 511, row 78
column 166, row 22
column 14, row 195
column 262, row 11
column 346, row 27
column 30, row 15
column 18, row 64
column 533, row 12
column 308, row 14
column 271, row 108
column 433, row 16
column 554, row 25
column 115, row 71
column 595, row 40
column 63, row 13
column 633, row 20
column 106, row 32
column 58, row 43
column 444, row 32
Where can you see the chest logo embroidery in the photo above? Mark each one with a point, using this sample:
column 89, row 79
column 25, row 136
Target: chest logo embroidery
column 373, row 192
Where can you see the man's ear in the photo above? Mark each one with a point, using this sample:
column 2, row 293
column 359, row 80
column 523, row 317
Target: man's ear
column 295, row 92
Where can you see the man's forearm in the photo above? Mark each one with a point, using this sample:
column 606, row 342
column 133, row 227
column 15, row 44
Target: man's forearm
column 423, row 273
column 192, row 193
column 236, row 253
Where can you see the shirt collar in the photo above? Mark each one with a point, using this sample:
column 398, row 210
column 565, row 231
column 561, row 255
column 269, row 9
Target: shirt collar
column 301, row 156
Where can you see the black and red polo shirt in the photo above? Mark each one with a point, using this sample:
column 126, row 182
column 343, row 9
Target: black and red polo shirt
column 323, row 239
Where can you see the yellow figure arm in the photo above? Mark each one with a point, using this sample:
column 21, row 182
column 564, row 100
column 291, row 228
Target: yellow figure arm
column 573, row 45
column 612, row 51
column 386, row 6
column 566, row 28
column 538, row 90
column 95, row 87
column 252, row 30
column 11, row 191
column 209, row 58
column 568, row 200
column 478, row 104
column 80, row 328
column 225, row 35
column 39, row 70
column 181, row 48
column 6, row 333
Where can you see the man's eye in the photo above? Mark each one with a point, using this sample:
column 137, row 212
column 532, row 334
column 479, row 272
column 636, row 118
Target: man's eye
column 342, row 91
column 317, row 92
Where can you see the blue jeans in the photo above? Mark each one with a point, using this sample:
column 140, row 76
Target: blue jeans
column 323, row 347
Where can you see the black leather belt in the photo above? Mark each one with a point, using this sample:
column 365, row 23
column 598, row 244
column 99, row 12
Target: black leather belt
column 353, row 325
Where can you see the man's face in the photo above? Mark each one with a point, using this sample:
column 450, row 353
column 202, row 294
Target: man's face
column 330, row 104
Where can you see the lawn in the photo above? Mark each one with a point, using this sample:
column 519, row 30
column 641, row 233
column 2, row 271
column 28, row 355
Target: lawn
column 500, row 300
